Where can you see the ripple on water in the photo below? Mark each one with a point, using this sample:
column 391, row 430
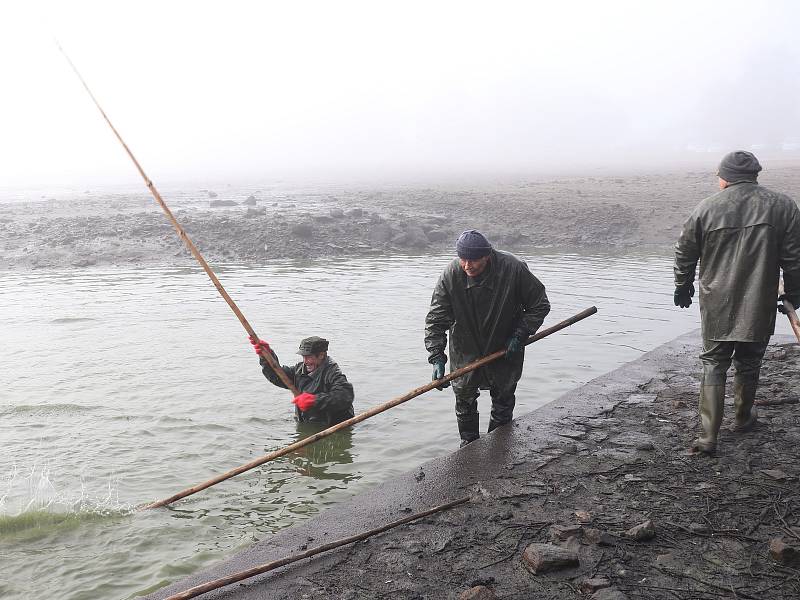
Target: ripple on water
column 65, row 320
column 45, row 410
column 38, row 524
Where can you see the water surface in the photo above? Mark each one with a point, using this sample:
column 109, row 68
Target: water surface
column 122, row 386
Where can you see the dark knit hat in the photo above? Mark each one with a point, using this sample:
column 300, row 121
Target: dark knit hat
column 312, row 345
column 739, row 166
column 472, row 244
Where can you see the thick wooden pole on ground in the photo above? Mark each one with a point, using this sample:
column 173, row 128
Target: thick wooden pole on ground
column 222, row 582
column 369, row 413
column 186, row 239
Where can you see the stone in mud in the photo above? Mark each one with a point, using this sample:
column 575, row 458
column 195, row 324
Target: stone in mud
column 251, row 200
column 608, row 594
column 601, row 538
column 304, row 230
column 436, row 235
column 583, row 516
column 337, row 213
column 776, row 474
column 251, row 213
column 783, row 553
column 413, row 237
column 590, row 586
column 356, row 213
column 379, row 233
column 699, row 528
column 542, row 558
column 642, row 532
column 218, row 203
column 84, row 262
column 212, row 194
column 479, row 592
column 562, row 532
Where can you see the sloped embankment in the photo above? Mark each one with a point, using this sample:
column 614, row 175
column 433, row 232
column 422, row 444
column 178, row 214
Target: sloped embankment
column 601, row 474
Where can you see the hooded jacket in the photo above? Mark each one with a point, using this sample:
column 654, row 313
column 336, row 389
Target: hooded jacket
column 742, row 237
column 481, row 314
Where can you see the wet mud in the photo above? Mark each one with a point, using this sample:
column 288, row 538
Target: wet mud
column 592, row 496
column 254, row 226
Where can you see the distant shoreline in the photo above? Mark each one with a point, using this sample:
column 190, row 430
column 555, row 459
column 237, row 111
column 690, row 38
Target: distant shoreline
column 252, row 227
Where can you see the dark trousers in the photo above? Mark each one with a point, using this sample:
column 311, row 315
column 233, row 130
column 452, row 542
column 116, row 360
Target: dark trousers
column 503, row 400
column 717, row 357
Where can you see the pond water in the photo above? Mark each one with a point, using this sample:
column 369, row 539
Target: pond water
column 123, row 386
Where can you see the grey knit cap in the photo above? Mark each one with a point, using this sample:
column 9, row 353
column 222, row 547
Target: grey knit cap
column 739, row 166
column 472, row 244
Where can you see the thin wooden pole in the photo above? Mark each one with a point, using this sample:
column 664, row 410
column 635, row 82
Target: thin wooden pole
column 369, row 413
column 183, row 235
column 223, row 581
column 791, row 312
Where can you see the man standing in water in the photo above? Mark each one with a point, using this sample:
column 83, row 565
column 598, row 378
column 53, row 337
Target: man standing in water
column 488, row 300
column 326, row 396
column 742, row 236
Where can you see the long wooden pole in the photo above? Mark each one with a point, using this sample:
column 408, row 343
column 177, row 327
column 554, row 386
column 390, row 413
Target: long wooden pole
column 183, row 235
column 223, row 581
column 369, row 413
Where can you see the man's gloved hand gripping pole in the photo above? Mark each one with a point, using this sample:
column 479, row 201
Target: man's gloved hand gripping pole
column 264, row 351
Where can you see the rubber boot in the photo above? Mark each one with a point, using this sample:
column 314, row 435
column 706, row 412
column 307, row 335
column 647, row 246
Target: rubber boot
column 712, row 404
column 744, row 395
column 493, row 425
column 468, row 429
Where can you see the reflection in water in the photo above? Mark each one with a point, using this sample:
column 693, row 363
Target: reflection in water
column 320, row 459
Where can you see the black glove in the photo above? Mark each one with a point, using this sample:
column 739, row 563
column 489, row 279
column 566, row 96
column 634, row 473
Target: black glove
column 438, row 363
column 683, row 295
column 517, row 341
column 793, row 299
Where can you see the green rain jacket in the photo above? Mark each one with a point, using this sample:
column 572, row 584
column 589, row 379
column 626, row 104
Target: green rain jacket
column 742, row 236
column 482, row 314
column 334, row 393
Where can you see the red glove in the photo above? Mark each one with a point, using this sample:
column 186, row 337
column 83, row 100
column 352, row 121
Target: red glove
column 304, row 401
column 259, row 345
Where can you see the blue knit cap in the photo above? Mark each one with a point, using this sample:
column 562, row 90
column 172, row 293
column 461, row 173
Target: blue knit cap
column 472, row 244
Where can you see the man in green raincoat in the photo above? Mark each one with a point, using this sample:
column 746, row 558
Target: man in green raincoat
column 487, row 300
column 742, row 237
column 326, row 397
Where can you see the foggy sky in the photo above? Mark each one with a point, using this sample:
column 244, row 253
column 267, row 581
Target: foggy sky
column 262, row 90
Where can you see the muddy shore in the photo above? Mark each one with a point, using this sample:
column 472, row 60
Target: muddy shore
column 601, row 473
column 245, row 225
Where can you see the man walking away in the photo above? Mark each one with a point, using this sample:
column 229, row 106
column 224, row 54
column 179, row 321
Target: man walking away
column 742, row 236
